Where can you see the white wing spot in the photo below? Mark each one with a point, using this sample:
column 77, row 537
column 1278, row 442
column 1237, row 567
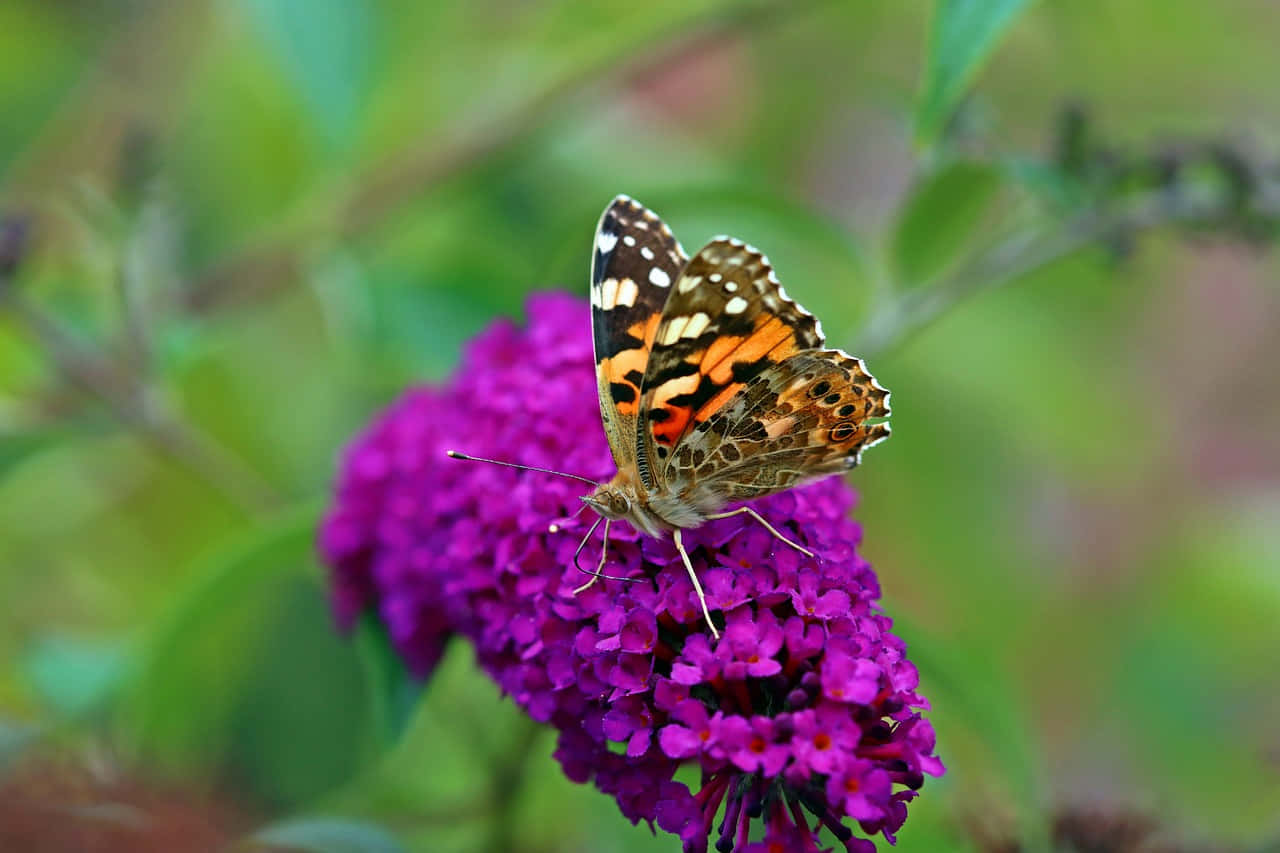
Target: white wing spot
column 646, row 253
column 730, row 286
column 697, row 325
column 595, row 297
column 715, row 277
column 673, row 331
column 659, row 277
column 606, row 240
column 736, row 305
column 629, row 240
column 627, row 293
column 609, row 293
column 689, row 282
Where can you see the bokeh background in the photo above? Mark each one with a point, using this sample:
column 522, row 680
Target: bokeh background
column 234, row 229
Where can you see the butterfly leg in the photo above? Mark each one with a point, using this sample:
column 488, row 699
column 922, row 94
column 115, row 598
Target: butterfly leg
column 697, row 587
column 604, row 552
column 758, row 517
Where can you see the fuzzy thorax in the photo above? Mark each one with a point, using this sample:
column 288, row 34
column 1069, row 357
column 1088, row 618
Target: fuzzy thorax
column 650, row 512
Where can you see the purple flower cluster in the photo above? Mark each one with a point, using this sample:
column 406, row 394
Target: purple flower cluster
column 801, row 717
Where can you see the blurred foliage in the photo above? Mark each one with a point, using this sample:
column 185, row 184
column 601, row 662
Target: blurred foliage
column 230, row 230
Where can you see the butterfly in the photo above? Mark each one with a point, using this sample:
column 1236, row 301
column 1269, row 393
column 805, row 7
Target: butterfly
column 714, row 386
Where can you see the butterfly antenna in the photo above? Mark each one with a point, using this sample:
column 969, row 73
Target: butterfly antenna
column 453, row 454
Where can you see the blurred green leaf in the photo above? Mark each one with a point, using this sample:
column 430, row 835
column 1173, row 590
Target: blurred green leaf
column 15, row 447
column 325, row 835
column 300, row 725
column 962, row 38
column 393, row 692
column 74, row 677
column 939, row 218
column 189, row 662
column 976, row 694
column 1043, row 181
column 325, row 48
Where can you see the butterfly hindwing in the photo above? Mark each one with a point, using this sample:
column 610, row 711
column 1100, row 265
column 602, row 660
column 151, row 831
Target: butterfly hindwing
column 634, row 261
column 726, row 322
column 806, row 417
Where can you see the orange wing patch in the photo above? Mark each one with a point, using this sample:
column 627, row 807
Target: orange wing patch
column 727, row 319
column 624, row 372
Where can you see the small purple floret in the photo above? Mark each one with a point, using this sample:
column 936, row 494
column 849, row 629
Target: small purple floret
column 802, row 717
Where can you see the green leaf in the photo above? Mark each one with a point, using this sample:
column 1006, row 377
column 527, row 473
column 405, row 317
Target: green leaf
column 290, row 739
column 963, row 36
column 325, row 835
column 183, row 689
column 938, row 220
column 325, row 48
column 972, row 692
column 1044, row 182
column 393, row 692
column 16, row 447
column 72, row 676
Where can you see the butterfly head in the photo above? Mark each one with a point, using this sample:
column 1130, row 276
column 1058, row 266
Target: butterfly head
column 610, row 501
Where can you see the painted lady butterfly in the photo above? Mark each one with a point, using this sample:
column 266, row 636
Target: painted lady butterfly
column 714, row 386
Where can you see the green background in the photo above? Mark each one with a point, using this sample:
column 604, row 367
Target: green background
column 252, row 222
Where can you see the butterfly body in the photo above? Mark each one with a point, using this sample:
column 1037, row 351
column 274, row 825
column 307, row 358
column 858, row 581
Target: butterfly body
column 651, row 512
column 714, row 386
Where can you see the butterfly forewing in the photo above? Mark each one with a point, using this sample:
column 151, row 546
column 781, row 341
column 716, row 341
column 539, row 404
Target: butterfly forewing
column 635, row 261
column 809, row 416
column 726, row 321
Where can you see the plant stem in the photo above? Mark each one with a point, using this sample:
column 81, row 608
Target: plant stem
column 129, row 402
column 1024, row 252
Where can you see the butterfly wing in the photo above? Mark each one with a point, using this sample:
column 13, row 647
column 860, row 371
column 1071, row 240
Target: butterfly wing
column 634, row 261
column 805, row 417
column 727, row 321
